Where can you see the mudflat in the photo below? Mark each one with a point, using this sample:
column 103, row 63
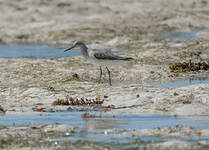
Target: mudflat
column 167, row 39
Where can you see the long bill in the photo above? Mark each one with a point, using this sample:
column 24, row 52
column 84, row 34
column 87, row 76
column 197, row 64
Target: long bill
column 69, row 49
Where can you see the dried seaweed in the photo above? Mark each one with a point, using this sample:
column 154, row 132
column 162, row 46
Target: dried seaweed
column 189, row 66
column 75, row 101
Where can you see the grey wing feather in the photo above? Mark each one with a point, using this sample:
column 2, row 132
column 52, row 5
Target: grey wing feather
column 109, row 56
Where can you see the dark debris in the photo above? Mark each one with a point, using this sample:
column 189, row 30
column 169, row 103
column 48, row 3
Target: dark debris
column 87, row 115
column 189, row 66
column 2, row 111
column 75, row 101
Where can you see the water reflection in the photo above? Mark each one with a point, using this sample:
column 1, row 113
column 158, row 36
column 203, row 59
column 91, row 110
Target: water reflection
column 100, row 124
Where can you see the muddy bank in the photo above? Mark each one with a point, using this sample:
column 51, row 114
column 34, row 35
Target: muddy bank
column 56, row 137
column 114, row 23
column 26, row 82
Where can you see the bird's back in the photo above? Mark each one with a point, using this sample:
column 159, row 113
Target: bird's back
column 109, row 56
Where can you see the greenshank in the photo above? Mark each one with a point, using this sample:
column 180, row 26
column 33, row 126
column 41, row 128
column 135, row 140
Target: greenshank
column 105, row 58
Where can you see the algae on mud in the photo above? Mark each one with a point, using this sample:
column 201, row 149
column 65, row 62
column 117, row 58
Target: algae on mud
column 190, row 66
column 74, row 101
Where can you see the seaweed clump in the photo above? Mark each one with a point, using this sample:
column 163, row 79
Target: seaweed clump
column 76, row 101
column 189, row 66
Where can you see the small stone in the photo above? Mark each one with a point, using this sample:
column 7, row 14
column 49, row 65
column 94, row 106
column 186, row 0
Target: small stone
column 105, row 96
column 34, row 127
column 62, row 4
column 51, row 89
column 75, row 76
column 39, row 109
column 67, row 133
column 39, row 104
column 175, row 94
column 2, row 111
column 97, row 99
column 187, row 102
column 70, row 109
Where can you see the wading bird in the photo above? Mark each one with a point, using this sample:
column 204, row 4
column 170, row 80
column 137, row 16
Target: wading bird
column 102, row 58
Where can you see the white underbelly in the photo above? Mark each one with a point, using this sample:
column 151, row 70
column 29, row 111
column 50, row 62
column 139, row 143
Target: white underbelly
column 108, row 63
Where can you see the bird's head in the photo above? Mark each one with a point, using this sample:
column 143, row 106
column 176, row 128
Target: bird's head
column 79, row 44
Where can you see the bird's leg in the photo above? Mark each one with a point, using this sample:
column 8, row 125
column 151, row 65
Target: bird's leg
column 100, row 77
column 109, row 76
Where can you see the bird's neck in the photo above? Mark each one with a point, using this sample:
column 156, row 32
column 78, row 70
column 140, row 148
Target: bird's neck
column 84, row 51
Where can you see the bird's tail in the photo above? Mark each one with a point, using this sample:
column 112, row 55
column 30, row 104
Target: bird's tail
column 128, row 58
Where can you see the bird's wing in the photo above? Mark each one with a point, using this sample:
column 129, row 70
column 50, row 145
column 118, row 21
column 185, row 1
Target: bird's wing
column 109, row 56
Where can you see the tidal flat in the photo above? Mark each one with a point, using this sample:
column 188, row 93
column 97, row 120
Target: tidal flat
column 168, row 76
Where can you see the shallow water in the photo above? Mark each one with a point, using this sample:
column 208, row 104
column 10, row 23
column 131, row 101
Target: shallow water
column 94, row 128
column 34, row 51
column 102, row 121
column 183, row 82
column 179, row 35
